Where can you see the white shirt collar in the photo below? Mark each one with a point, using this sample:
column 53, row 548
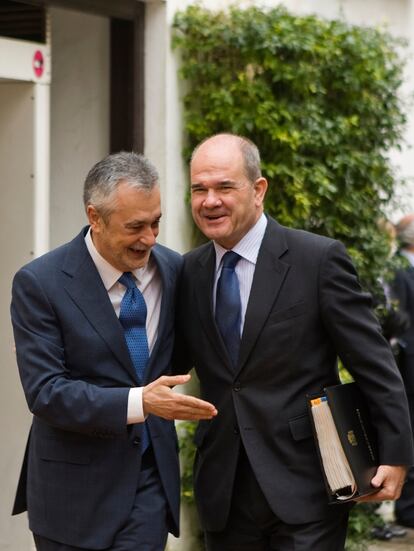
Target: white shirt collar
column 409, row 256
column 248, row 246
column 108, row 273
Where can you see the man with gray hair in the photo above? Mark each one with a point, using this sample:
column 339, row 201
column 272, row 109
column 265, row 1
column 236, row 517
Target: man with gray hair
column 93, row 326
column 404, row 291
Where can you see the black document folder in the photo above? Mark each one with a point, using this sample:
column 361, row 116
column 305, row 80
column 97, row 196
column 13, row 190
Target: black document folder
column 346, row 441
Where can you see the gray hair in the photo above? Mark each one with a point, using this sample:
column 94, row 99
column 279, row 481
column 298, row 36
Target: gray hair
column 105, row 176
column 250, row 154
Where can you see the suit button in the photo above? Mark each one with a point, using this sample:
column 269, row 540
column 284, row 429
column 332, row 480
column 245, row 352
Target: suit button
column 137, row 441
column 236, row 431
column 237, row 386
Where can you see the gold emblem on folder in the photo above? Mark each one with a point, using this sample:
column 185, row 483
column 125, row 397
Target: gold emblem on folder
column 352, row 438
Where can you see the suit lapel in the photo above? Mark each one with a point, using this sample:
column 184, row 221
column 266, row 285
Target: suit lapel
column 204, row 300
column 268, row 278
column 85, row 287
column 167, row 307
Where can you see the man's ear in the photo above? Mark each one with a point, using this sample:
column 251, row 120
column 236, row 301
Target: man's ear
column 95, row 219
column 260, row 188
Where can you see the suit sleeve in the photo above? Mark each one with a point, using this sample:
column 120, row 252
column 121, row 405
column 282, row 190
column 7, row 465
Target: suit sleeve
column 51, row 393
column 356, row 334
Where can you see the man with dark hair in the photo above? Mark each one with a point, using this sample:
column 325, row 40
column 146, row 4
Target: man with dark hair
column 263, row 313
column 93, row 326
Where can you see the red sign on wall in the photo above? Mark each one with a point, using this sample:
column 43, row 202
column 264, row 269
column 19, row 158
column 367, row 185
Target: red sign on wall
column 38, row 63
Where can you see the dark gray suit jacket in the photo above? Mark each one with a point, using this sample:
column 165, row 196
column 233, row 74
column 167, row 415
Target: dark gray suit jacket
column 82, row 464
column 403, row 289
column 305, row 309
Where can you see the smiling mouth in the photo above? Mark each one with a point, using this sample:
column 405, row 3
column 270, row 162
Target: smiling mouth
column 214, row 217
column 139, row 252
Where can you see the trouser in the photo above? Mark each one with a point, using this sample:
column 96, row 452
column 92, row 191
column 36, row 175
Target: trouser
column 252, row 525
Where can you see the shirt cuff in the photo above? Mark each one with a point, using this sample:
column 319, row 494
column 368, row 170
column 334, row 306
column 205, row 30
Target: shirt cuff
column 135, row 406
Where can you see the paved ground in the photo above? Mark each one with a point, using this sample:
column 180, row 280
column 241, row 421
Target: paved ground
column 395, row 544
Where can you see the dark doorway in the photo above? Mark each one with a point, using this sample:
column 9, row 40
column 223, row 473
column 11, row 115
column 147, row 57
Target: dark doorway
column 127, row 83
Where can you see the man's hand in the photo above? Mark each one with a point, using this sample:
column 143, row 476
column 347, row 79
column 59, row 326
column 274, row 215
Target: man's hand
column 159, row 399
column 390, row 480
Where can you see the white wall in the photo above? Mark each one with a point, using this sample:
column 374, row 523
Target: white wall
column 163, row 126
column 79, row 137
column 368, row 12
column 16, row 248
column 79, row 114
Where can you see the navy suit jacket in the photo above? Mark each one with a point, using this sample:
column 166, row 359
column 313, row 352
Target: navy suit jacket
column 82, row 462
column 305, row 309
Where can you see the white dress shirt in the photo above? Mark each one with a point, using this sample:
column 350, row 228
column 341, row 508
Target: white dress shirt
column 248, row 248
column 409, row 256
column 148, row 281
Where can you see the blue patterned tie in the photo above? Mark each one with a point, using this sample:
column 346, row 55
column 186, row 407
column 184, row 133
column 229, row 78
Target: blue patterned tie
column 228, row 305
column 133, row 316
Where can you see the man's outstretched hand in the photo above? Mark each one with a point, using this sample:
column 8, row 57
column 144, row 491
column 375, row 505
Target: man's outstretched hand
column 159, row 399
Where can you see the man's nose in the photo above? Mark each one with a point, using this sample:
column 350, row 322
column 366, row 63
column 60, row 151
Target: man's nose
column 149, row 236
column 212, row 199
